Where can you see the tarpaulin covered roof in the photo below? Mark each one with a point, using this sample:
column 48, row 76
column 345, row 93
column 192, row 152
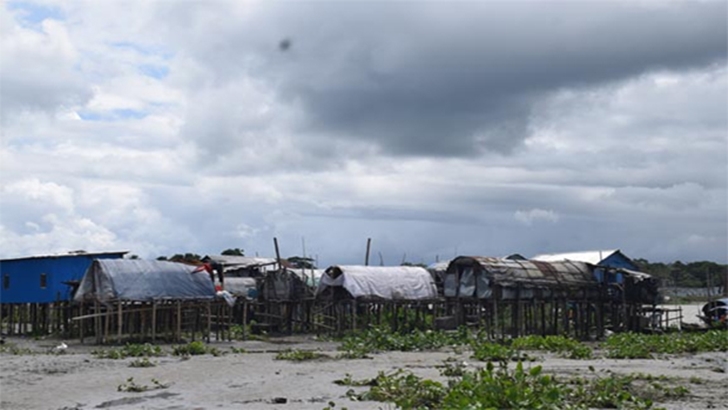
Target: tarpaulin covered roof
column 142, row 280
column 529, row 273
column 438, row 266
column 386, row 282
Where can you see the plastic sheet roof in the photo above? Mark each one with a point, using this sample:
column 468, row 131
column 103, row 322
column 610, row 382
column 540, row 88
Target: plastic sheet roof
column 109, row 280
column 530, row 273
column 385, row 282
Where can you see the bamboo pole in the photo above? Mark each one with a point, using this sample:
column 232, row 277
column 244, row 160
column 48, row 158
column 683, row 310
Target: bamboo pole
column 209, row 322
column 245, row 319
column 107, row 325
column 154, row 320
column 119, row 323
column 178, row 333
column 81, row 323
column 97, row 323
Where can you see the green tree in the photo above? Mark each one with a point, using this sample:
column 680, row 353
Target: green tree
column 186, row 258
column 233, row 252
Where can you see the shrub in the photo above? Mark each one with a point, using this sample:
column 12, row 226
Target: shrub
column 131, row 386
column 143, row 362
column 130, row 350
column 190, row 349
column 299, row 355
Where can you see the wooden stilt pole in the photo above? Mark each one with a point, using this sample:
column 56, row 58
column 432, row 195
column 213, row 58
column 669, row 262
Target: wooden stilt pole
column 154, row 320
column 178, row 333
column 209, row 322
column 97, row 322
column 119, row 322
column 81, row 322
column 107, row 324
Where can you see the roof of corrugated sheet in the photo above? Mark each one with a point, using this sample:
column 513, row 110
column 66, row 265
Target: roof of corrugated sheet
column 593, row 257
column 529, row 273
column 66, row 255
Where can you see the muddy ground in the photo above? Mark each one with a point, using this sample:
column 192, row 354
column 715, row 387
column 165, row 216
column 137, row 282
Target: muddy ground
column 77, row 379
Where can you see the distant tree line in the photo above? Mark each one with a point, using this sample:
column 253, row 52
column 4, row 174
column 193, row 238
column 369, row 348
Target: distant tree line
column 693, row 274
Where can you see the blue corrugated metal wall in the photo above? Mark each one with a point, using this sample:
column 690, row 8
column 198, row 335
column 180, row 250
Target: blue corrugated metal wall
column 23, row 276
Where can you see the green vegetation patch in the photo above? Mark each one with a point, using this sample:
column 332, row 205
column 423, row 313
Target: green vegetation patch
column 142, row 362
column 379, row 339
column 195, row 348
column 130, row 350
column 12, row 348
column 133, row 387
column 643, row 346
column 300, row 355
column 564, row 346
column 501, row 387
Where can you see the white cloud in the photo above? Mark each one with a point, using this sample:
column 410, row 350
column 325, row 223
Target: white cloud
column 232, row 142
column 535, row 215
column 38, row 68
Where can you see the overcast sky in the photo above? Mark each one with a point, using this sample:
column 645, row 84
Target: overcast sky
column 436, row 129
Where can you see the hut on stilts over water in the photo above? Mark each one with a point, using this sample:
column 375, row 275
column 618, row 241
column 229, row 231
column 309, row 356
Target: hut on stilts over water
column 139, row 299
column 350, row 297
column 511, row 297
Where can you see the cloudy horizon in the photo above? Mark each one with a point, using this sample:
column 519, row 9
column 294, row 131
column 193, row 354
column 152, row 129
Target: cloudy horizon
column 436, row 129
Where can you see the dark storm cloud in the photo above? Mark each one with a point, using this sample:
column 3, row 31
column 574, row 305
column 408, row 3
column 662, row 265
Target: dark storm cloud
column 449, row 79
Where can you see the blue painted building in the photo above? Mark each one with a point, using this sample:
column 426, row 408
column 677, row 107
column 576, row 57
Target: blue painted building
column 40, row 279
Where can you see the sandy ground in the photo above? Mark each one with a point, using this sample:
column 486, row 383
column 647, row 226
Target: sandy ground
column 254, row 379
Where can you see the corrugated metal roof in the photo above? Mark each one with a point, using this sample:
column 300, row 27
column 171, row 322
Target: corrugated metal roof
column 239, row 261
column 529, row 273
column 66, row 255
column 593, row 257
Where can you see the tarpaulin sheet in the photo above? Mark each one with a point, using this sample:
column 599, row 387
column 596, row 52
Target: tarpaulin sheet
column 241, row 286
column 141, row 280
column 392, row 283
